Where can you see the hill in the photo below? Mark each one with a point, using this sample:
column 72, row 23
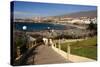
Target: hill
column 90, row 14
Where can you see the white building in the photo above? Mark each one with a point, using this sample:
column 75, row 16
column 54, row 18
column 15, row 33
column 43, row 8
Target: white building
column 77, row 21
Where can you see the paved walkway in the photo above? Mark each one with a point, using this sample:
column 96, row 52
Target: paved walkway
column 46, row 55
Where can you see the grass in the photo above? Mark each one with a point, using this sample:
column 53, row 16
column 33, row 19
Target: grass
column 86, row 48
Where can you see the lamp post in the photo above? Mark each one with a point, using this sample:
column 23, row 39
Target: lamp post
column 24, row 30
column 48, row 29
column 48, row 35
column 50, row 32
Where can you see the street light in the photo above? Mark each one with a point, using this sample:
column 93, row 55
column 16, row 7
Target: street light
column 48, row 29
column 25, row 36
column 50, row 32
column 24, row 29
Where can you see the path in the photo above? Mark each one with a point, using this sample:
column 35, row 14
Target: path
column 46, row 55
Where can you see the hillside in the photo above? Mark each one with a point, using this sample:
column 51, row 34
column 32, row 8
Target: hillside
column 90, row 14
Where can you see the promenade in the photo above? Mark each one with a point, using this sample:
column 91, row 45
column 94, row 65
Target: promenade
column 43, row 54
column 46, row 55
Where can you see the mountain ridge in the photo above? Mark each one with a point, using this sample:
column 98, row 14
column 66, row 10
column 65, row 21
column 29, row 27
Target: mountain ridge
column 91, row 14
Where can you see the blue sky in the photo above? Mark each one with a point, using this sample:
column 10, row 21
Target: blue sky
column 33, row 9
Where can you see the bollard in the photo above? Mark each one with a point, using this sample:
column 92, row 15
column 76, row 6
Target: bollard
column 59, row 46
column 28, row 44
column 55, row 44
column 68, row 51
column 32, row 44
column 18, row 51
column 35, row 43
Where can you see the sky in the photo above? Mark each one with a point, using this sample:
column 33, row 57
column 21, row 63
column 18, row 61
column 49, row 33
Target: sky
column 35, row 9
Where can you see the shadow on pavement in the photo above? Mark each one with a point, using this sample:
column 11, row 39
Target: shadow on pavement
column 23, row 60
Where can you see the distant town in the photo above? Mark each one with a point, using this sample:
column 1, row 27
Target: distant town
column 81, row 20
column 60, row 19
